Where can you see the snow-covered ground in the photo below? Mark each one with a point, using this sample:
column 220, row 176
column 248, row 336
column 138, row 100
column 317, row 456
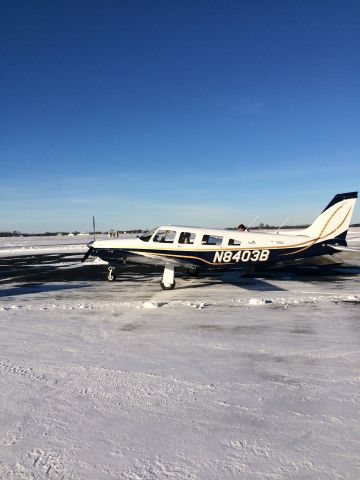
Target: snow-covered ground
column 222, row 378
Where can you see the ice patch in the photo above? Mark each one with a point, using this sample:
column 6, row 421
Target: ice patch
column 352, row 298
column 202, row 305
column 346, row 298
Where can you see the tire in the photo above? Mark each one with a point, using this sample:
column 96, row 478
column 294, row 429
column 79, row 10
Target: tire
column 170, row 287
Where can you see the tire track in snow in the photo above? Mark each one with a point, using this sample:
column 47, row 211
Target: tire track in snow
column 25, row 372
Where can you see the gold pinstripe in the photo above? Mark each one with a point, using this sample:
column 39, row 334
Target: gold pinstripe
column 185, row 256
column 315, row 240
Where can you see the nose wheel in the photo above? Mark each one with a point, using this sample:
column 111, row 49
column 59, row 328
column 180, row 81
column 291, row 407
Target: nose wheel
column 167, row 287
column 168, row 280
column 111, row 275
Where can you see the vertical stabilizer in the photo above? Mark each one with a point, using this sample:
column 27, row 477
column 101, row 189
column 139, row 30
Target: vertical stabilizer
column 334, row 220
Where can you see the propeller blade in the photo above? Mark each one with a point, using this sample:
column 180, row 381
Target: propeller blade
column 87, row 254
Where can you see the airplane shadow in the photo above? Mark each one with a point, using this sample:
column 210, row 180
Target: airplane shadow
column 310, row 270
column 256, row 285
column 29, row 288
column 252, row 284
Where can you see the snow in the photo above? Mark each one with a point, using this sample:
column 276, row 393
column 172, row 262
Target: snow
column 221, row 378
column 150, row 305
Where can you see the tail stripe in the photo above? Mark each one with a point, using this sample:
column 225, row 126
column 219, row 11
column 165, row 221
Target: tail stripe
column 339, row 198
column 322, row 231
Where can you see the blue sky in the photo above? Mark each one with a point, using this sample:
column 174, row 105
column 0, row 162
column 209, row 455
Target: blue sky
column 191, row 112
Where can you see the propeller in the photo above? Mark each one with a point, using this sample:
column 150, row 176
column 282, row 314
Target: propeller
column 87, row 254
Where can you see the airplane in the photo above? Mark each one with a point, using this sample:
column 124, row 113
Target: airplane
column 194, row 247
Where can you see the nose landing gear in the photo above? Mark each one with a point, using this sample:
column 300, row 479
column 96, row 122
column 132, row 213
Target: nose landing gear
column 111, row 275
column 168, row 281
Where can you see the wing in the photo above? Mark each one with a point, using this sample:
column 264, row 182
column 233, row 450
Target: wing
column 153, row 259
column 41, row 250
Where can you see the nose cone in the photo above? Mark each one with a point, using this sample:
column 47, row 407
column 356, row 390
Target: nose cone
column 100, row 244
column 118, row 243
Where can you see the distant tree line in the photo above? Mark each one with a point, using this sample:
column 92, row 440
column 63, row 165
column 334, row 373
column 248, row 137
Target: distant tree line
column 16, row 233
column 261, row 226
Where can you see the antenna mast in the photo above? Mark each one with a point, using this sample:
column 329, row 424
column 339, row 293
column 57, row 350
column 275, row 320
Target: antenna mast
column 283, row 223
column 94, row 227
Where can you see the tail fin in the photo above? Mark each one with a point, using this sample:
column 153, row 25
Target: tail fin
column 334, row 220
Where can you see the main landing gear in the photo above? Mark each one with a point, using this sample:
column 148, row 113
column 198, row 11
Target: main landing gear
column 249, row 272
column 168, row 280
column 193, row 271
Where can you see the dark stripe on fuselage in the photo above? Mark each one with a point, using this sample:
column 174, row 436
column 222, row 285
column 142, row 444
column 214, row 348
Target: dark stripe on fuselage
column 206, row 258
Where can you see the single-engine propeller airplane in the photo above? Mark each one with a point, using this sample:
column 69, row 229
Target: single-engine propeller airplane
column 195, row 247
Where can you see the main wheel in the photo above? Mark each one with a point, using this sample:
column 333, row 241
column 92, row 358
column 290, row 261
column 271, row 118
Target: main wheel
column 165, row 287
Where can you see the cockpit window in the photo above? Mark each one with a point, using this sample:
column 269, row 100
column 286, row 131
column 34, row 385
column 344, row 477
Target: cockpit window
column 145, row 237
column 164, row 236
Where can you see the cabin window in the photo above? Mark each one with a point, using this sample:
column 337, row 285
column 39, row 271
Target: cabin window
column 164, row 236
column 145, row 237
column 211, row 240
column 187, row 238
column 233, row 241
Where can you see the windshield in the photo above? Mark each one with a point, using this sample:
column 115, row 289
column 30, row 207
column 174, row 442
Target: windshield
column 145, row 237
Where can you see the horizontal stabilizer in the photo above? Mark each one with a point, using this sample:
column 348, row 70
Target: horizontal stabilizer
column 345, row 249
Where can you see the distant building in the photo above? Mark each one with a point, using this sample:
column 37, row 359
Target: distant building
column 113, row 233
